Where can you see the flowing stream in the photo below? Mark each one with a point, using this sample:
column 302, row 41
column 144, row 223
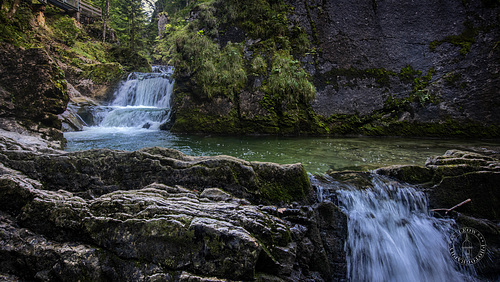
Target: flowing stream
column 391, row 235
column 142, row 101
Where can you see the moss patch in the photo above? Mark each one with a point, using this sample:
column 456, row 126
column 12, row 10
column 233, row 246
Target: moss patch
column 380, row 76
column 103, row 73
column 463, row 40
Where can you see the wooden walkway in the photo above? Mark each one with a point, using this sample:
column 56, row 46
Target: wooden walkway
column 80, row 8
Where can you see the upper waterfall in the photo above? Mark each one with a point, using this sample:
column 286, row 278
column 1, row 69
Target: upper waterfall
column 143, row 100
column 146, row 89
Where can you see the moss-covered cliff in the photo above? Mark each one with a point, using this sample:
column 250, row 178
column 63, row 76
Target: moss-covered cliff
column 238, row 69
column 329, row 67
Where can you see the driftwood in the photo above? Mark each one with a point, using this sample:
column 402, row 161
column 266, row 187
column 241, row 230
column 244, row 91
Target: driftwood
column 452, row 208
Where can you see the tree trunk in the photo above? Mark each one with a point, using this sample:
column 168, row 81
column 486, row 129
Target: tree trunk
column 13, row 10
column 132, row 34
column 105, row 19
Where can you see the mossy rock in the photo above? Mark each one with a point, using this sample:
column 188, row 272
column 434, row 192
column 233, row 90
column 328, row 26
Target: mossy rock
column 454, row 177
column 276, row 187
column 355, row 178
column 407, row 173
column 103, row 73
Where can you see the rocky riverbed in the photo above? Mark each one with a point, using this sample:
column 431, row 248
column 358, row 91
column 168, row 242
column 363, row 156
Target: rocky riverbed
column 156, row 214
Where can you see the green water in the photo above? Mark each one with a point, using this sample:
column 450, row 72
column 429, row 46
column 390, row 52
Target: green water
column 317, row 154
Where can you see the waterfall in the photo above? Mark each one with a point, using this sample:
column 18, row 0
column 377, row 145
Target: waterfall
column 142, row 101
column 391, row 235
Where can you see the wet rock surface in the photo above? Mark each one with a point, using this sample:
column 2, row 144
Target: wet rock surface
column 455, row 177
column 160, row 216
column 97, row 172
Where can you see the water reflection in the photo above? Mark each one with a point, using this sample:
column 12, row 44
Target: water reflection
column 317, row 154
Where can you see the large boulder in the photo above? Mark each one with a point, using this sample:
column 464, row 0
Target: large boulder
column 455, row 177
column 96, row 172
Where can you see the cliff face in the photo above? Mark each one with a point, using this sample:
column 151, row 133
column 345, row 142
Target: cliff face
column 378, row 68
column 32, row 91
column 373, row 52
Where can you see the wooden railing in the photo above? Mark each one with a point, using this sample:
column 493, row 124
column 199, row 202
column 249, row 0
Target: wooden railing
column 67, row 5
column 89, row 10
column 79, row 7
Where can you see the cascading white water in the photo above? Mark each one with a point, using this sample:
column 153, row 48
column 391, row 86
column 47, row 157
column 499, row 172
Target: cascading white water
column 391, row 235
column 143, row 100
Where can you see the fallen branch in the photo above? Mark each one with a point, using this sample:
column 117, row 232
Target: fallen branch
column 454, row 207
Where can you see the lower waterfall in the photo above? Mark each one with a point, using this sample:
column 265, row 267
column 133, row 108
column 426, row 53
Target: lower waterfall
column 391, row 235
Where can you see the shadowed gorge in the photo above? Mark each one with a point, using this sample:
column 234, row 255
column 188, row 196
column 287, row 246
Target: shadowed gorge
column 257, row 140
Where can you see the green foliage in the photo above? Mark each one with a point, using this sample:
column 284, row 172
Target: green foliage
column 258, row 65
column 420, row 91
column 223, row 73
column 93, row 50
column 216, row 72
column 16, row 30
column 103, row 73
column 184, row 49
column 288, row 81
column 65, row 29
column 408, row 74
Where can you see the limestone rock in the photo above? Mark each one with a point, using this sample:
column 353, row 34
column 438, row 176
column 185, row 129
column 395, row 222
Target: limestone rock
column 97, row 172
column 407, row 173
column 355, row 39
column 155, row 215
column 455, row 177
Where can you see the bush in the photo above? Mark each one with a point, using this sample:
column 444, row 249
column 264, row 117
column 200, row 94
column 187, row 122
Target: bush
column 259, row 65
column 216, row 72
column 16, row 30
column 130, row 60
column 65, row 30
column 223, row 73
column 288, row 80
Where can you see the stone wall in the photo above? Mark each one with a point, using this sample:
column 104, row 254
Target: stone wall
column 363, row 48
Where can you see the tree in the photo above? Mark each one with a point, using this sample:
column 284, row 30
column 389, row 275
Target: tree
column 105, row 20
column 129, row 21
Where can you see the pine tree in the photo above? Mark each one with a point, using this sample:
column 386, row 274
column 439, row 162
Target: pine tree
column 129, row 21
